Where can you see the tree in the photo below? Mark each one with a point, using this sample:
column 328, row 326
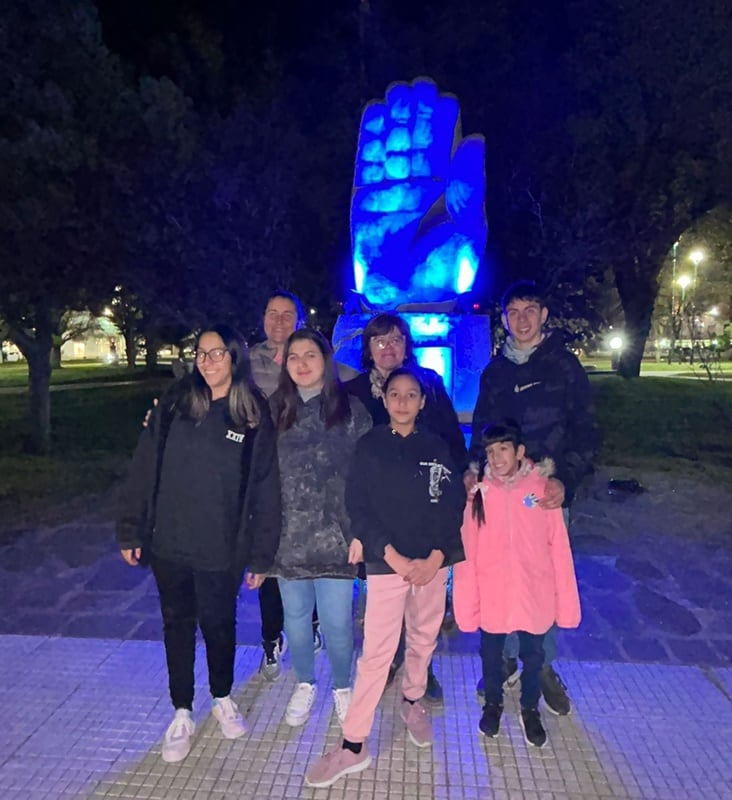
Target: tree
column 64, row 103
column 650, row 139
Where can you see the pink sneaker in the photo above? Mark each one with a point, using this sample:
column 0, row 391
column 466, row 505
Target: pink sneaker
column 334, row 765
column 419, row 722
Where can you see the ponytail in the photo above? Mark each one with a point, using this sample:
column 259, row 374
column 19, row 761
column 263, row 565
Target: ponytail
column 478, row 509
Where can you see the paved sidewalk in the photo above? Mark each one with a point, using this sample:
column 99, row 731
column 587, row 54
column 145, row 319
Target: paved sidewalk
column 84, row 718
column 83, row 682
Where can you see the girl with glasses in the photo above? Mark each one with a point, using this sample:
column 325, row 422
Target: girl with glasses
column 201, row 503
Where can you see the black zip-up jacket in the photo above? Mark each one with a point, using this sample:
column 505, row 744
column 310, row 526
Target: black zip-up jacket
column 258, row 531
column 438, row 414
column 551, row 399
column 406, row 492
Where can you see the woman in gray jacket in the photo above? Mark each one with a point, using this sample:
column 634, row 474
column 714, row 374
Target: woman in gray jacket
column 318, row 425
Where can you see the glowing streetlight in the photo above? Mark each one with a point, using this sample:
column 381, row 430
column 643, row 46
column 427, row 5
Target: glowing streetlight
column 684, row 282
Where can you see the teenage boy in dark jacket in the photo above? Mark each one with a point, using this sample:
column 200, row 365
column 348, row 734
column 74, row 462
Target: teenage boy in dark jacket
column 541, row 385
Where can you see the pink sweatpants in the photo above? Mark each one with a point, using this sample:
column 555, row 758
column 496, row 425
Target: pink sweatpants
column 389, row 600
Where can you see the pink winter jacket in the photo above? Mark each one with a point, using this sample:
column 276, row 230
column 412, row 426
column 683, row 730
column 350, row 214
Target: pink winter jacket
column 518, row 574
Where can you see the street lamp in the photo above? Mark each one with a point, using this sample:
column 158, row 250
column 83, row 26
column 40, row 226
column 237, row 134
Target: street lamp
column 684, row 282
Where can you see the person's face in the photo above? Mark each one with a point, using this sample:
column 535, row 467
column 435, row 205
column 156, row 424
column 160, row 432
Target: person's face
column 306, row 365
column 403, row 401
column 504, row 459
column 388, row 350
column 280, row 320
column 214, row 363
column 523, row 319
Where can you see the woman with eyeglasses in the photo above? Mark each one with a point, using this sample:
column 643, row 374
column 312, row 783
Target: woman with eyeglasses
column 386, row 345
column 318, row 425
column 201, row 504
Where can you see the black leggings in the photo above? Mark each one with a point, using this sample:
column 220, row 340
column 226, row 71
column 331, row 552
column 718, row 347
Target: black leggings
column 190, row 597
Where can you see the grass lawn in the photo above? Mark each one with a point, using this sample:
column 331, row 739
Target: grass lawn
column 93, row 435
column 665, row 423
column 657, row 423
column 16, row 374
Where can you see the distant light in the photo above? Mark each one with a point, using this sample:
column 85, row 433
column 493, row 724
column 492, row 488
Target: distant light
column 476, row 306
column 714, row 311
column 313, row 310
column 696, row 257
column 684, row 281
column 107, row 312
column 616, row 343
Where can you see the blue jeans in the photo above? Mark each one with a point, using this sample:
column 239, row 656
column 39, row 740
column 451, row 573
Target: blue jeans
column 334, row 598
column 532, row 659
column 511, row 645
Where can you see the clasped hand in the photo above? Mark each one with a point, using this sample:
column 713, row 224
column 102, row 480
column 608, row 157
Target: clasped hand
column 417, row 571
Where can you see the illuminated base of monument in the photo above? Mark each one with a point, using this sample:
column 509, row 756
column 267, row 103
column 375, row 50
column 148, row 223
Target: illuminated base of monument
column 457, row 346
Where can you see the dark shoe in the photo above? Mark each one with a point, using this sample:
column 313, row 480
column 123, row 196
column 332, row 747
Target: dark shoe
column 270, row 666
column 490, row 722
column 433, row 693
column 510, row 677
column 554, row 691
column 534, row 732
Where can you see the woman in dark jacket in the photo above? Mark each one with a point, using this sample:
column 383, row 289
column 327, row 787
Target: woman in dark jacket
column 318, row 425
column 201, row 504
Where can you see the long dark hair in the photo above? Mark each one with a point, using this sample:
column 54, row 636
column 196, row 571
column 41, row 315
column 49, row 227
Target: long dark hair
column 380, row 325
column 194, row 395
column 506, row 431
column 335, row 406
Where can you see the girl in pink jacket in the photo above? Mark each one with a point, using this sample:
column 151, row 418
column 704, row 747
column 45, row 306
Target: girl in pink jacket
column 518, row 574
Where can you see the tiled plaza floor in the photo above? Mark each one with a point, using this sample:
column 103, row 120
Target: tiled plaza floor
column 83, row 718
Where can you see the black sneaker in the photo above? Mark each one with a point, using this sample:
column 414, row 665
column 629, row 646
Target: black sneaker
column 534, row 732
column 433, row 693
column 490, row 722
column 554, row 691
column 511, row 677
column 270, row 667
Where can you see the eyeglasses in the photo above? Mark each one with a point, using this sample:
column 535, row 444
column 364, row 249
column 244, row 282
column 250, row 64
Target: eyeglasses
column 216, row 354
column 382, row 341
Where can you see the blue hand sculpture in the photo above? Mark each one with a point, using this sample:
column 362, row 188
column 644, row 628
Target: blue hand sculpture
column 418, row 223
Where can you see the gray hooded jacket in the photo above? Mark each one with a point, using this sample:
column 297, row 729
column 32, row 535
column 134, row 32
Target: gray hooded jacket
column 314, row 463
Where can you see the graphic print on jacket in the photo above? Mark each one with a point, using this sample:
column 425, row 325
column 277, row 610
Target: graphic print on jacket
column 438, row 473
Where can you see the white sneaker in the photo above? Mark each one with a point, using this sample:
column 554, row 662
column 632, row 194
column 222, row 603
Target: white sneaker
column 177, row 740
column 301, row 702
column 230, row 721
column 342, row 699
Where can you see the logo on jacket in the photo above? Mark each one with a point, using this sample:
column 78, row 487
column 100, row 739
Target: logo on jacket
column 526, row 386
column 235, row 437
column 438, row 473
column 531, row 500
